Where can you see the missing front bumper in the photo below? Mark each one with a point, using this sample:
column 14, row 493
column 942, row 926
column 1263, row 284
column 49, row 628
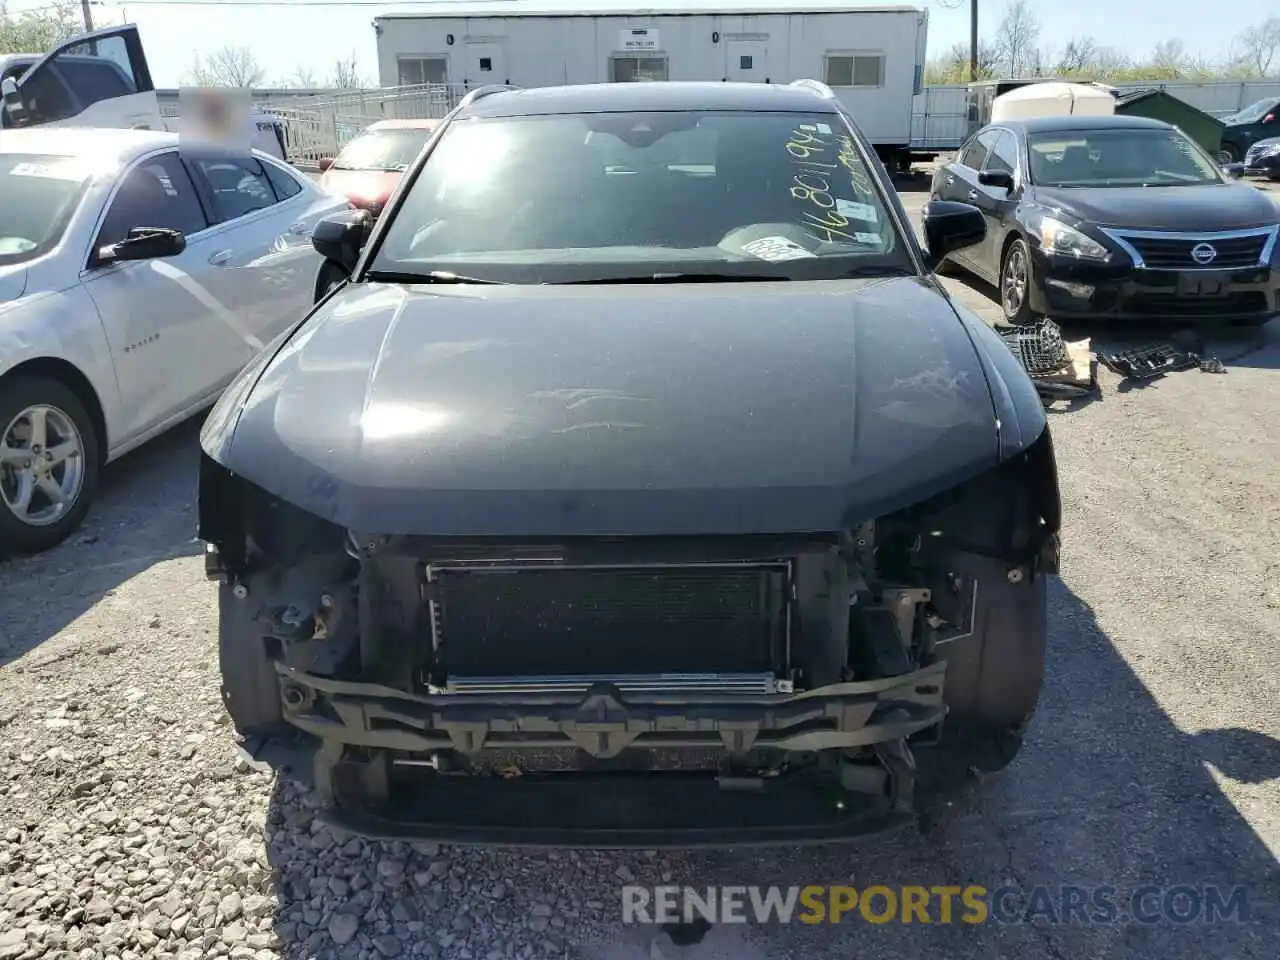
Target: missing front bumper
column 360, row 734
column 603, row 721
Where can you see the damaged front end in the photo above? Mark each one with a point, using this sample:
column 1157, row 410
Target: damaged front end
column 643, row 691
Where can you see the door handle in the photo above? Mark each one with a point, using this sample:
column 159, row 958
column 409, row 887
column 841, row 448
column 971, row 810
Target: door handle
column 299, row 229
column 973, row 194
column 221, row 258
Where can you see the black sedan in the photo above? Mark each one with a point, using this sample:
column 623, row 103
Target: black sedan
column 641, row 486
column 1263, row 159
column 1116, row 218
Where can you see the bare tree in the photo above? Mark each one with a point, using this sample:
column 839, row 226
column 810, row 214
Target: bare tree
column 304, row 78
column 1257, row 49
column 953, row 65
column 227, row 67
column 36, row 31
column 346, row 74
column 1018, row 39
column 1170, row 58
column 1111, row 62
column 1080, row 54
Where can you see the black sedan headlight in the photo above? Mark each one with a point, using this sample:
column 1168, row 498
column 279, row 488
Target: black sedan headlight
column 1062, row 240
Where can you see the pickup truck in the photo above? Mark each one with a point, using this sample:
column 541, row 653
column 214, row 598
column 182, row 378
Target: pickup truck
column 100, row 79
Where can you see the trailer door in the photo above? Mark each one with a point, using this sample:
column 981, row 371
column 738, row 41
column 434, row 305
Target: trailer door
column 98, row 79
column 486, row 62
column 747, row 61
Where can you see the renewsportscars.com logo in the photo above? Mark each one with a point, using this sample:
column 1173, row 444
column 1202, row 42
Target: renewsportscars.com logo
column 972, row 904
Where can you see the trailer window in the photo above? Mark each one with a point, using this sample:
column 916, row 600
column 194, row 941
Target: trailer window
column 563, row 198
column 634, row 69
column 414, row 71
column 855, row 70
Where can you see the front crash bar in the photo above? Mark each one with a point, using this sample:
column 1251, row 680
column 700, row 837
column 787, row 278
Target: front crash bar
column 603, row 722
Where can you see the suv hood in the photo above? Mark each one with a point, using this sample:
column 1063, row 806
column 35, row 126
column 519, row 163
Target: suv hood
column 1209, row 207
column 681, row 409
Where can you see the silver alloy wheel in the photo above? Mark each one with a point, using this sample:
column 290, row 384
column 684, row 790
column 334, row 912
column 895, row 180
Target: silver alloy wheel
column 1013, row 283
column 41, row 465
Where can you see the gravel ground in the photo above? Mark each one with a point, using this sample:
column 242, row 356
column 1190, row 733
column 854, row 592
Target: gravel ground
column 129, row 829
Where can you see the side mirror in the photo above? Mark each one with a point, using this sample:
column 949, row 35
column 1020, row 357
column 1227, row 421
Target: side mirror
column 15, row 111
column 950, row 226
column 143, row 243
column 1233, row 170
column 341, row 238
column 996, row 178
column 324, row 163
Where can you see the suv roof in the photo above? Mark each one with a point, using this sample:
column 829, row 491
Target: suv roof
column 664, row 95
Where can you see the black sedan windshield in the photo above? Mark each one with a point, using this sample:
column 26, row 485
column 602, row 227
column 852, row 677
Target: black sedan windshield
column 579, row 197
column 1118, row 158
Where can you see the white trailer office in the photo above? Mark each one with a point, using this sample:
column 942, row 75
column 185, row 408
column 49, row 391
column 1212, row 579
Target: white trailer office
column 871, row 56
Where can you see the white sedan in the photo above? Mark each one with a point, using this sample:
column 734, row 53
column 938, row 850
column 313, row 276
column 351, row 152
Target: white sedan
column 137, row 277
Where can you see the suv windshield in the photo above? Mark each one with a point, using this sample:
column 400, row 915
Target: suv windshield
column 1118, row 158
column 38, row 194
column 581, row 197
column 382, row 150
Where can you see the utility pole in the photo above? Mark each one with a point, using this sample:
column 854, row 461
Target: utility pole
column 88, row 15
column 973, row 38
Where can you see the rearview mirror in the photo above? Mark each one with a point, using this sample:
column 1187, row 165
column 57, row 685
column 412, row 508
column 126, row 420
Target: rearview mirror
column 143, row 243
column 341, row 238
column 1233, row 170
column 996, row 178
column 324, row 163
column 950, row 226
column 15, row 111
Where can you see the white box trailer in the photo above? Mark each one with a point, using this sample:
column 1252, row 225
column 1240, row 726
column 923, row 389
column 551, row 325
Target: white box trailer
column 871, row 56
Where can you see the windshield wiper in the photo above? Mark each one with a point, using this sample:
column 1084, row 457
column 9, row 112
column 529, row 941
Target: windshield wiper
column 433, row 276
column 681, row 278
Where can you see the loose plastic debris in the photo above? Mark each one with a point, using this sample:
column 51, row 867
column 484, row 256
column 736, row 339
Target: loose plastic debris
column 1049, row 360
column 1039, row 347
column 1155, row 360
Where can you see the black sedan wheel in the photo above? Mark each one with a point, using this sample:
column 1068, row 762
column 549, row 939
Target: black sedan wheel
column 1229, row 153
column 1015, row 283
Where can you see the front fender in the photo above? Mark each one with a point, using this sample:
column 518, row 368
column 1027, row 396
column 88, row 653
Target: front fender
column 1019, row 410
column 62, row 325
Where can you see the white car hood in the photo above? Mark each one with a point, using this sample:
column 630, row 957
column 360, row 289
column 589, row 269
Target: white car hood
column 13, row 282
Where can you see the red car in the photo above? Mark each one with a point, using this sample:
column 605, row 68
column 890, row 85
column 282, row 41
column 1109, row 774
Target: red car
column 369, row 167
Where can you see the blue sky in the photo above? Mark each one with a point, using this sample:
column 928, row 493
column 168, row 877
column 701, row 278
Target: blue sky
column 284, row 39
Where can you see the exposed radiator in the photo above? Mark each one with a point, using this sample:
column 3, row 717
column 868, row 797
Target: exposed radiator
column 541, row 620
column 634, row 684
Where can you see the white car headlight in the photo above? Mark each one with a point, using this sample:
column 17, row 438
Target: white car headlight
column 1266, row 151
column 1057, row 237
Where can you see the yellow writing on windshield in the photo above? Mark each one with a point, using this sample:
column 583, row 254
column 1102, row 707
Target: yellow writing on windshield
column 858, row 179
column 815, row 161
